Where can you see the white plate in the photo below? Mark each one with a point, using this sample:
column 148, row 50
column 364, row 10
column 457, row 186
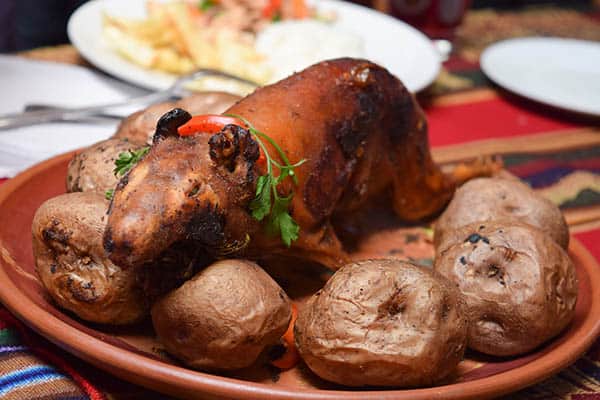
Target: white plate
column 563, row 73
column 397, row 46
column 26, row 81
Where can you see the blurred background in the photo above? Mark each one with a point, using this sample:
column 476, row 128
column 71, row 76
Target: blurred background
column 28, row 24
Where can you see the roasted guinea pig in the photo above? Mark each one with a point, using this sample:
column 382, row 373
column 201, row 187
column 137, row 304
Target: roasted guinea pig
column 358, row 128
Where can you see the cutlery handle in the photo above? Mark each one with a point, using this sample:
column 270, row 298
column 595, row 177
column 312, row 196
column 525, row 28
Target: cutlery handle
column 9, row 121
column 17, row 120
column 97, row 116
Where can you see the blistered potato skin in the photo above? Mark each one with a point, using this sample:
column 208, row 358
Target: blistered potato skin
column 383, row 323
column 92, row 170
column 223, row 317
column 72, row 264
column 489, row 199
column 519, row 285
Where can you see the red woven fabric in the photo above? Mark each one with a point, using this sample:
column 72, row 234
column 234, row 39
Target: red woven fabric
column 496, row 118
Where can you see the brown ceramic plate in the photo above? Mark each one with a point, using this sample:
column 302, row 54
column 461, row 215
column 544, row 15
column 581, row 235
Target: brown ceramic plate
column 134, row 355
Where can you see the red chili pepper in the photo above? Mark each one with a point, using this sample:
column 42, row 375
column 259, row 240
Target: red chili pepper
column 271, row 8
column 291, row 355
column 207, row 124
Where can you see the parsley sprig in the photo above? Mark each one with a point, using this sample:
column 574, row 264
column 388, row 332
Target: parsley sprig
column 268, row 203
column 128, row 159
column 204, row 5
column 124, row 163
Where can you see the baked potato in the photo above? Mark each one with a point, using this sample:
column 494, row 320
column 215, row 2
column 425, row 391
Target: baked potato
column 489, row 199
column 140, row 126
column 73, row 267
column 93, row 168
column 224, row 317
column 383, row 323
column 520, row 287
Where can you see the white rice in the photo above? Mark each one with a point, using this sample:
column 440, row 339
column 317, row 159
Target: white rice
column 291, row 46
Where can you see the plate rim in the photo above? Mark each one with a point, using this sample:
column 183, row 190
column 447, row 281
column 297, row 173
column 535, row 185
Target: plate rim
column 176, row 380
column 89, row 54
column 488, row 70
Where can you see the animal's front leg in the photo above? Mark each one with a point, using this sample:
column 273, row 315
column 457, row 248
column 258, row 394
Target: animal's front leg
column 323, row 246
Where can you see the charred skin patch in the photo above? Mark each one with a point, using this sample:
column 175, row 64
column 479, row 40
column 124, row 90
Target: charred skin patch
column 57, row 235
column 351, row 133
column 476, row 237
column 319, row 195
column 167, row 124
column 207, row 227
column 107, row 242
column 83, row 292
column 398, row 127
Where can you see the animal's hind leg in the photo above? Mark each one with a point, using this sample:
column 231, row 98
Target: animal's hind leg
column 420, row 189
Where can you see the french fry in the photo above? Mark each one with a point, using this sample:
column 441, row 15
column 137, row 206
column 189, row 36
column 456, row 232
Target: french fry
column 198, row 44
column 129, row 47
column 169, row 60
column 151, row 31
column 177, row 37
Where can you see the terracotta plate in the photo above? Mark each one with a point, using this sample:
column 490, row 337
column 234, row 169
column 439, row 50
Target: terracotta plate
column 134, row 355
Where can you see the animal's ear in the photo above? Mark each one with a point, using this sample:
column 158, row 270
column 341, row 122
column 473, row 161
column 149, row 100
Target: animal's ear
column 232, row 142
column 169, row 122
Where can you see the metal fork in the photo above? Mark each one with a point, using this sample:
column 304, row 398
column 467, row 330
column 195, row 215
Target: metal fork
column 178, row 89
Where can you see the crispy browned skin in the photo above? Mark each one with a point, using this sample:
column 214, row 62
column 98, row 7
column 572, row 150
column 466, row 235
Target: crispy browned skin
column 358, row 127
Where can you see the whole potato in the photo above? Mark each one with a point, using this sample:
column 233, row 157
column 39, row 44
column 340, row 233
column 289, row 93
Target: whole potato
column 93, row 168
column 73, row 267
column 140, row 126
column 519, row 285
column 489, row 199
column 223, row 317
column 383, row 323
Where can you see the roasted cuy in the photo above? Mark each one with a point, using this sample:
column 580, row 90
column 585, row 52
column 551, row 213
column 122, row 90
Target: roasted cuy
column 360, row 131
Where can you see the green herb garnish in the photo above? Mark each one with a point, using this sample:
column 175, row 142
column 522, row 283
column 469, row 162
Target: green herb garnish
column 206, row 4
column 268, row 203
column 124, row 163
column 128, row 159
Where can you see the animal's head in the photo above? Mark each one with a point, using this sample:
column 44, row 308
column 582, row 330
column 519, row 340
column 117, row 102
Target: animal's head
column 193, row 188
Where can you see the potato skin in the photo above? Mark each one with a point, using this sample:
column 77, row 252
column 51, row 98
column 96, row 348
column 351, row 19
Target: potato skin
column 223, row 317
column 519, row 285
column 92, row 170
column 140, row 126
column 383, row 323
column 73, row 267
column 489, row 199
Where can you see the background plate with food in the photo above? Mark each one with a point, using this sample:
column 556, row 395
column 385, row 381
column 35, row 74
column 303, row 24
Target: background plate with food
column 149, row 42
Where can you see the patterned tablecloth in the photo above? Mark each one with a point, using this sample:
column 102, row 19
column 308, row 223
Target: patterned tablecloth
column 555, row 152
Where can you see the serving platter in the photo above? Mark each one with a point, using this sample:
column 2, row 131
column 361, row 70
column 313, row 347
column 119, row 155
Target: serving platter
column 403, row 50
column 135, row 355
